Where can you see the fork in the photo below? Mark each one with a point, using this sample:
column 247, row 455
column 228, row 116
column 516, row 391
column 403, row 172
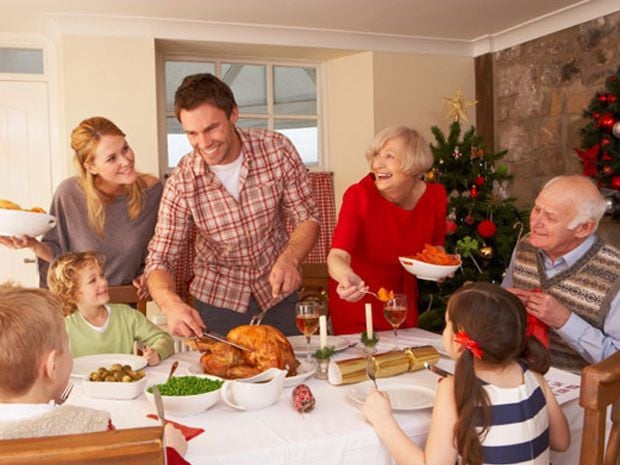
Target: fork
column 65, row 394
column 258, row 318
column 371, row 370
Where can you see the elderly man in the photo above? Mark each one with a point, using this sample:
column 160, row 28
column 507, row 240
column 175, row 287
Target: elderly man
column 577, row 272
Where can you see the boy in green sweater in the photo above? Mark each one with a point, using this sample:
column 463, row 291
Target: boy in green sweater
column 93, row 325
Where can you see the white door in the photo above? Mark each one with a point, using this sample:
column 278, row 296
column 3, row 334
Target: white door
column 25, row 172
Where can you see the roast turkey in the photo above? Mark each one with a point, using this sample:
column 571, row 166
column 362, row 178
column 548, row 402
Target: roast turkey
column 269, row 348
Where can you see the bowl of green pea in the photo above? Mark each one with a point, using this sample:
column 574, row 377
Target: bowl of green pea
column 187, row 395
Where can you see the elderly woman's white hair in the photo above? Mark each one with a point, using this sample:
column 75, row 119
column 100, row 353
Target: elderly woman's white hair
column 417, row 158
column 589, row 203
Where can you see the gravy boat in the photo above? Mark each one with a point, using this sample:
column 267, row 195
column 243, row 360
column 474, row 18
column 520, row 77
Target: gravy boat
column 256, row 392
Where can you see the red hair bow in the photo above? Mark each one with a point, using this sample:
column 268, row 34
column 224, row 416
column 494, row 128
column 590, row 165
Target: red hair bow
column 463, row 338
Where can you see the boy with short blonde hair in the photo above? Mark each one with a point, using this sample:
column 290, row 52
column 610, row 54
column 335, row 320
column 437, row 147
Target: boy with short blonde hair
column 35, row 366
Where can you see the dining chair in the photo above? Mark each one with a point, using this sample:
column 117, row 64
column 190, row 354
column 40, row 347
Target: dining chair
column 600, row 388
column 127, row 294
column 118, row 447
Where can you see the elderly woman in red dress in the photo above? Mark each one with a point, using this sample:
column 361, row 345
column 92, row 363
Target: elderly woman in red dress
column 391, row 212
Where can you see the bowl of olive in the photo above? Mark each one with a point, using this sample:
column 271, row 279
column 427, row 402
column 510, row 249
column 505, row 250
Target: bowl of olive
column 118, row 382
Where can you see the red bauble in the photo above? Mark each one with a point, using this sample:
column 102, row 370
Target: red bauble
column 473, row 192
column 487, row 229
column 451, row 227
column 602, row 98
column 607, row 170
column 469, row 219
column 606, row 121
column 605, row 142
column 615, row 182
column 596, row 115
column 606, row 157
column 479, row 181
column 611, row 98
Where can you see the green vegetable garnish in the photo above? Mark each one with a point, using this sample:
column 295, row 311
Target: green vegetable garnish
column 187, row 386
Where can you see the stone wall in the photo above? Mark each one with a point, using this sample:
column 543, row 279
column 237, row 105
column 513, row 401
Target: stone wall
column 541, row 90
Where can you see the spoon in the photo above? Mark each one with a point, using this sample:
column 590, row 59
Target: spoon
column 173, row 368
column 371, row 370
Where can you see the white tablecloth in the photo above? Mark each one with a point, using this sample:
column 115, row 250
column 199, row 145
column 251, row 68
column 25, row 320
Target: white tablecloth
column 335, row 432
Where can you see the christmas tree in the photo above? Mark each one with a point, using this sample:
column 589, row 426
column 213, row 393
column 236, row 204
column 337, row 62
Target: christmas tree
column 482, row 224
column 600, row 144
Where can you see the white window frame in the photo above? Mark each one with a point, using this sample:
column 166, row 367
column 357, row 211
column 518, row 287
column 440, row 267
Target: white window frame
column 270, row 116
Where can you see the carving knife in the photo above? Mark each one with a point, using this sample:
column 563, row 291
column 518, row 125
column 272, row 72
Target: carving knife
column 219, row 337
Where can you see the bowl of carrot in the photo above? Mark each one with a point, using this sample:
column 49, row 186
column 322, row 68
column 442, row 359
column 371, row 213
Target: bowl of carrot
column 431, row 264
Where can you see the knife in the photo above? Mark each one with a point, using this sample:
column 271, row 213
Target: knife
column 159, row 405
column 437, row 370
column 219, row 337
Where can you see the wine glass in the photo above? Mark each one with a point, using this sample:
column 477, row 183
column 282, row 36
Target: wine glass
column 307, row 320
column 395, row 311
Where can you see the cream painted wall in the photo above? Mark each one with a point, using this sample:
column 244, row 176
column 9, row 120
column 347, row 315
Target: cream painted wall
column 350, row 125
column 408, row 89
column 369, row 91
column 115, row 78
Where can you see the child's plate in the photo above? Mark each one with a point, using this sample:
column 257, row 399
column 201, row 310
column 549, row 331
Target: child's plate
column 84, row 366
column 402, row 396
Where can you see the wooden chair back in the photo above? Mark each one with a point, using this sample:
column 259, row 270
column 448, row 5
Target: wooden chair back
column 118, row 447
column 600, row 388
column 127, row 294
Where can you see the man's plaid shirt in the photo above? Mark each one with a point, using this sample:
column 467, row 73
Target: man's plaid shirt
column 237, row 243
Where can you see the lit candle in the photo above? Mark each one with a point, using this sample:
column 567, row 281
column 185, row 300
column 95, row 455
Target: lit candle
column 323, row 331
column 369, row 321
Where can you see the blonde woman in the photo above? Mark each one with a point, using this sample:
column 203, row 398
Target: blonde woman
column 109, row 207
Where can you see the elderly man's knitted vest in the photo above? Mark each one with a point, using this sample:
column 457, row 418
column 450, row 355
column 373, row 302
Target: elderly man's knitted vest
column 586, row 289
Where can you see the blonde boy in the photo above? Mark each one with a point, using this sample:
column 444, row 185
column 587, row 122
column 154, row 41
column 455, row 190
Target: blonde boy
column 35, row 366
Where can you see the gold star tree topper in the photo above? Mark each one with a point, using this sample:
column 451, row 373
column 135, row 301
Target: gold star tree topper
column 457, row 106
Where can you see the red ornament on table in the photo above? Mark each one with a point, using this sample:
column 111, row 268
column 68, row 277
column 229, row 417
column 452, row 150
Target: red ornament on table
column 473, row 192
column 487, row 229
column 451, row 227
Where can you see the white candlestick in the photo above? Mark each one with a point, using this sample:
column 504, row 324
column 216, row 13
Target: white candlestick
column 368, row 308
column 323, row 331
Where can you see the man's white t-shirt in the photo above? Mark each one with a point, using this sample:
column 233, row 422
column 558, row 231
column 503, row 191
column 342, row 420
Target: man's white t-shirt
column 229, row 175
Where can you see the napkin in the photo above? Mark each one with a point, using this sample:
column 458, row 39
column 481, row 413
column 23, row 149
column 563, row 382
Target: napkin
column 387, row 364
column 188, row 431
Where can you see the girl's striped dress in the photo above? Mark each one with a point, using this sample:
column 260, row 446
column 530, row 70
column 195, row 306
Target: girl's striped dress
column 519, row 431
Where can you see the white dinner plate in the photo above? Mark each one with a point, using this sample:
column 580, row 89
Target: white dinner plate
column 304, row 371
column 402, row 396
column 84, row 366
column 301, row 347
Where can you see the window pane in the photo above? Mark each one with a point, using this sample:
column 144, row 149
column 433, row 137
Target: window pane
column 294, row 90
column 249, row 85
column 20, row 60
column 304, row 135
column 178, row 145
column 252, row 123
column 176, row 71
